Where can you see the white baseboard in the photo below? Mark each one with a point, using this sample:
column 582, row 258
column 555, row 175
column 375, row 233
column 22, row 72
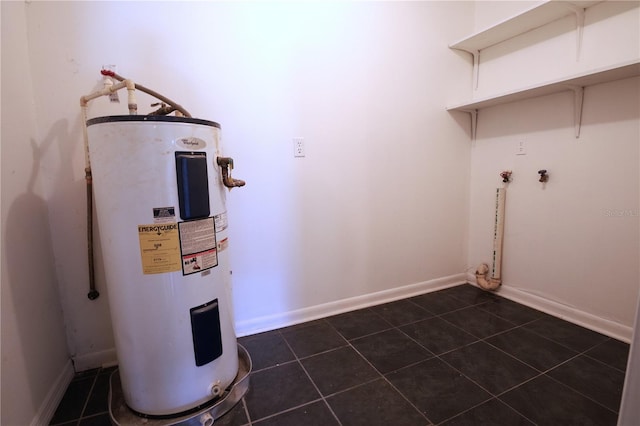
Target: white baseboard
column 284, row 319
column 54, row 396
column 106, row 358
column 109, row 358
column 565, row 312
column 613, row 329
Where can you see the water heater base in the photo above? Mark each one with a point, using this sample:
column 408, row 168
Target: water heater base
column 121, row 414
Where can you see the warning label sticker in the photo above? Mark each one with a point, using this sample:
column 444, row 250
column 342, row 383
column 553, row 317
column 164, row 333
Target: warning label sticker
column 164, row 214
column 223, row 244
column 221, row 221
column 159, row 248
column 198, row 245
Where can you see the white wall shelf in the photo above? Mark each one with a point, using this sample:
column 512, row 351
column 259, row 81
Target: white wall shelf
column 577, row 83
column 601, row 75
column 521, row 23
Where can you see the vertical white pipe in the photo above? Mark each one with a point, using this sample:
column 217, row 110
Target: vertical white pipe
column 498, row 237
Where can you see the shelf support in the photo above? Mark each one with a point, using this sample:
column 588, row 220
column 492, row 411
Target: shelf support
column 473, row 113
column 476, row 68
column 578, row 100
column 579, row 12
column 579, row 31
column 475, row 54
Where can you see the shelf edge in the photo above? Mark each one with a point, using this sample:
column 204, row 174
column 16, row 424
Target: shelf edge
column 619, row 71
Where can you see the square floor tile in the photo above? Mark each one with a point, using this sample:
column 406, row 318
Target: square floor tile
column 470, row 294
column 358, row 323
column 338, row 370
column 98, row 401
column 593, row 379
column 97, row 420
column 511, row 311
column 237, row 416
column 478, row 322
column 547, row 402
column 437, row 390
column 374, row 404
column 278, row 388
column 438, row 304
column 70, row 408
column 489, row 367
column 92, row 373
column 492, row 412
column 390, row 350
column 612, row 352
column 312, row 339
column 401, row 312
column 570, row 335
column 438, row 335
column 314, row 414
column 267, row 349
column 532, row 349
column 579, row 386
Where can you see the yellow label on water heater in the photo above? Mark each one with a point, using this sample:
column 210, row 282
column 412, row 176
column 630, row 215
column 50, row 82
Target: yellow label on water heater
column 159, row 248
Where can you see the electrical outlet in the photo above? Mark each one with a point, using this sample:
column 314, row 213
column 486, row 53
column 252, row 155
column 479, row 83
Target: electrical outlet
column 298, row 147
column 521, row 149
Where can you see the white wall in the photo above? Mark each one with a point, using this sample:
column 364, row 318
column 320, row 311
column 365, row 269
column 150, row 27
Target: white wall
column 379, row 202
column 571, row 246
column 489, row 13
column 34, row 352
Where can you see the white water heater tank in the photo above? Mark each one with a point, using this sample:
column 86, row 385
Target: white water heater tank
column 162, row 222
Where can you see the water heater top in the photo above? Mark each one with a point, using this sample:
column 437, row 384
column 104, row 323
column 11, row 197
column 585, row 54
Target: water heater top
column 152, row 118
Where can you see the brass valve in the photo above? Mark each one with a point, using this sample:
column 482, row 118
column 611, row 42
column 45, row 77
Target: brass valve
column 226, row 163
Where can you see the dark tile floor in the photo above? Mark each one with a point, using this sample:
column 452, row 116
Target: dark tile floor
column 458, row 356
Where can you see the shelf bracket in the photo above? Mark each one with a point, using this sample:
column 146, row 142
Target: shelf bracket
column 579, row 12
column 578, row 100
column 579, row 31
column 476, row 68
column 473, row 113
column 475, row 54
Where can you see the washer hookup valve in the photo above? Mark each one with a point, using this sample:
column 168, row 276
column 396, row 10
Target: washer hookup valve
column 543, row 175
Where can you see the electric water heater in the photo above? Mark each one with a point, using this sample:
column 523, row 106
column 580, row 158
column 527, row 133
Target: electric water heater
column 160, row 203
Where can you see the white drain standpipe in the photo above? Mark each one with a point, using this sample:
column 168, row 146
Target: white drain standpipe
column 495, row 280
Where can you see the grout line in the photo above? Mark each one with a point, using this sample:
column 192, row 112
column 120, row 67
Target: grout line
column 431, row 315
column 561, row 343
column 86, row 402
column 288, row 410
column 591, row 357
column 521, row 414
column 92, row 416
column 391, row 384
column 580, row 393
column 469, row 409
column 322, row 397
column 350, row 388
column 246, row 411
column 274, row 366
column 385, row 378
column 445, row 352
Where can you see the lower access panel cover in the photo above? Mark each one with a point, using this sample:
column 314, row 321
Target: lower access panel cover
column 205, row 325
